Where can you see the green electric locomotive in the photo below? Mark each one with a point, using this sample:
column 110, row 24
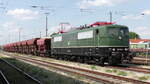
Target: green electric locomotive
column 101, row 42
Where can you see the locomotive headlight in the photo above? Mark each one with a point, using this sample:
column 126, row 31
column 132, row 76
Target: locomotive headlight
column 113, row 49
column 119, row 37
column 126, row 49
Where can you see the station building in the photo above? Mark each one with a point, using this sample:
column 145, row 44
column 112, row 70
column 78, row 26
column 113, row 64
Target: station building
column 140, row 43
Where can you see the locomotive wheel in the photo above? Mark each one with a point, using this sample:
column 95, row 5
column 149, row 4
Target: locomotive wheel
column 112, row 61
column 101, row 62
column 66, row 57
column 80, row 59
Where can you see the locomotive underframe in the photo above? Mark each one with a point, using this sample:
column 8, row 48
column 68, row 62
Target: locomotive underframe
column 111, row 55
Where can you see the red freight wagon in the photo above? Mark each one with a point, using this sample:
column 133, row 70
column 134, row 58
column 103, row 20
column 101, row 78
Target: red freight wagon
column 44, row 46
column 12, row 48
column 9, row 47
column 32, row 46
column 15, row 47
column 6, row 47
column 24, row 47
column 19, row 47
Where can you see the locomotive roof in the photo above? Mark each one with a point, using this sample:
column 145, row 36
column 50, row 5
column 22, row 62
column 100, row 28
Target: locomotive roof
column 91, row 28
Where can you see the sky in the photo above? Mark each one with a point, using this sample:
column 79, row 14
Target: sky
column 28, row 16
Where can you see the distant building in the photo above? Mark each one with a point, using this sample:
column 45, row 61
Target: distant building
column 140, row 43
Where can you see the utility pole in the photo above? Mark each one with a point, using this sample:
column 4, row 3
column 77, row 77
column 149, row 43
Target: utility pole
column 19, row 31
column 110, row 13
column 40, row 34
column 46, row 22
column 9, row 37
column 45, row 9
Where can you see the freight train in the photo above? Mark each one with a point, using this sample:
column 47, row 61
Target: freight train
column 101, row 42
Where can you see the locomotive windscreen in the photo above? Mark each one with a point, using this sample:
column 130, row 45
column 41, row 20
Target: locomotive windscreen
column 118, row 31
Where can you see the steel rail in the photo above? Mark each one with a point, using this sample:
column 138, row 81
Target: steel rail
column 85, row 70
column 85, row 75
column 27, row 75
column 140, row 62
column 56, row 67
column 4, row 78
column 136, row 69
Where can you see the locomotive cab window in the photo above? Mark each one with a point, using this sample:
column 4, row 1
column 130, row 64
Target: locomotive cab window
column 124, row 31
column 113, row 31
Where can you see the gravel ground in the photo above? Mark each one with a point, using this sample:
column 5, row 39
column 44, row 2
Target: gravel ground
column 44, row 74
column 124, row 73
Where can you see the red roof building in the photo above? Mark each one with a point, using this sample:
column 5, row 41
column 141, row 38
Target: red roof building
column 140, row 43
column 139, row 40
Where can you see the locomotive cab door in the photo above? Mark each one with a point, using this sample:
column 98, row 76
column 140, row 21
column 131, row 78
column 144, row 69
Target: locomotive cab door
column 97, row 41
column 98, row 50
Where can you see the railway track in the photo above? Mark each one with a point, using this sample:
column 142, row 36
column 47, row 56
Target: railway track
column 14, row 75
column 143, row 57
column 135, row 69
column 129, row 68
column 141, row 61
column 3, row 79
column 94, row 75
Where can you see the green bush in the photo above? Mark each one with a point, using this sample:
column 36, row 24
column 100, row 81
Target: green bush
column 109, row 71
column 144, row 78
column 93, row 67
column 122, row 73
column 114, row 70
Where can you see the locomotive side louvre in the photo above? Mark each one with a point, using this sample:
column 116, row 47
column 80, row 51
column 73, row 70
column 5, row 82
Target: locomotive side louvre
column 96, row 42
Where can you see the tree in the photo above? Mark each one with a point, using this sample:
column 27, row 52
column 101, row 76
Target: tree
column 133, row 35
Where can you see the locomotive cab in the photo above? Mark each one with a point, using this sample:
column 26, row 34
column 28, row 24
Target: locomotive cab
column 115, row 41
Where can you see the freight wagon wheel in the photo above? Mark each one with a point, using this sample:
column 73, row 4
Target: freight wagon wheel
column 37, row 54
column 57, row 56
